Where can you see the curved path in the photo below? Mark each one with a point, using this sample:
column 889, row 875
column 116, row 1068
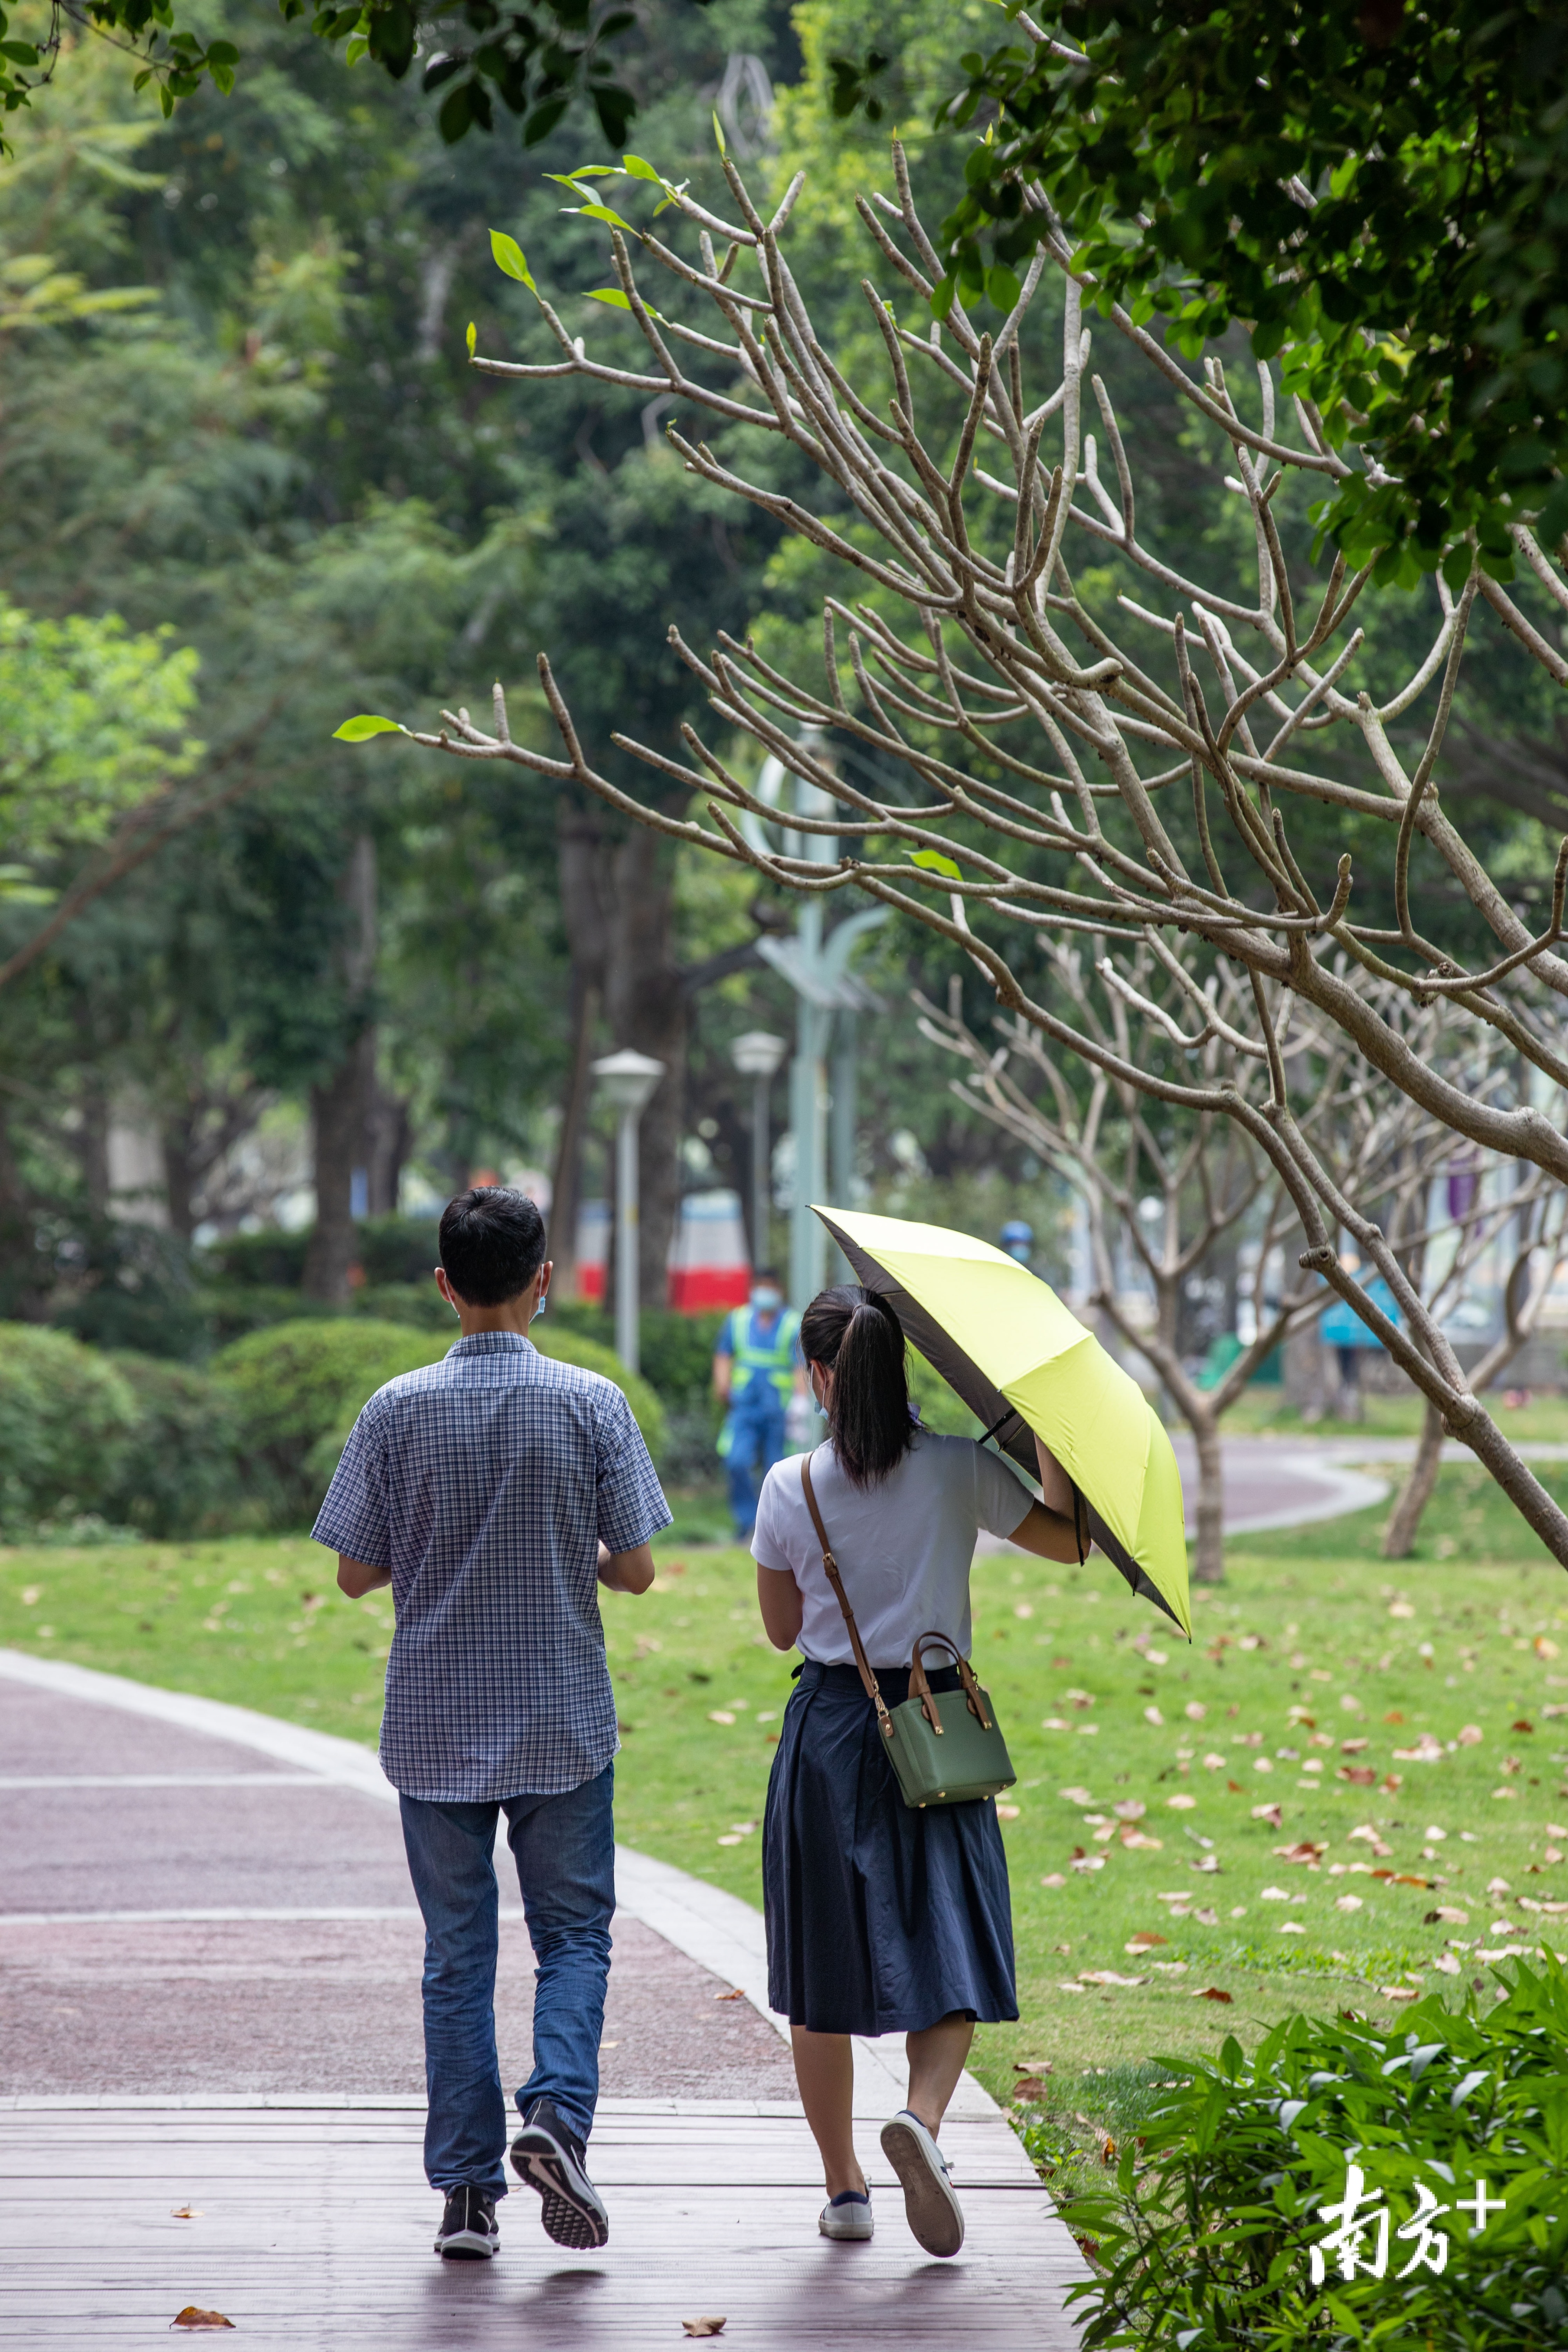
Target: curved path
column 210, row 1963
column 1290, row 1482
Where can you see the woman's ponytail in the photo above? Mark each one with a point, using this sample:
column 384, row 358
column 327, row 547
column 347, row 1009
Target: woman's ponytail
column 857, row 1336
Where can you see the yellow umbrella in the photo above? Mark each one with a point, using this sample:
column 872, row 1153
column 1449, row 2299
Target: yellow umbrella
column 1022, row 1364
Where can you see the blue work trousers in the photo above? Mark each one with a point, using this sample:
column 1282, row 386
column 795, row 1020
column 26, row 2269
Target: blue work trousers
column 565, row 1854
column 756, row 1443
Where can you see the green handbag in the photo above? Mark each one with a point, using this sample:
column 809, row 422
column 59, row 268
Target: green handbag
column 946, row 1747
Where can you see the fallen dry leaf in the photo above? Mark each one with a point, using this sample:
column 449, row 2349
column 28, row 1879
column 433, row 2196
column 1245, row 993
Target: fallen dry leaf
column 1143, row 1941
column 1211, row 1993
column 736, row 1995
column 703, row 2326
column 1027, row 2089
column 192, row 2316
column 186, row 2212
column 1032, row 2066
column 1269, row 1813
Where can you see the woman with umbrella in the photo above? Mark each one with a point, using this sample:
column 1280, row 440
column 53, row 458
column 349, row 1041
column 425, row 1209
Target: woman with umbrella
column 882, row 1918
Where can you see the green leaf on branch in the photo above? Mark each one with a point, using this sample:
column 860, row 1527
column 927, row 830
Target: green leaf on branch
column 602, row 212
column 360, row 730
column 509, row 258
column 472, row 338
column 619, row 302
column 935, row 863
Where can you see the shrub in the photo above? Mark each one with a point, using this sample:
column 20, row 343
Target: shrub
column 120, row 1284
column 273, row 1259
column 298, row 1387
column 182, row 1472
column 66, row 1416
column 296, row 1383
column 400, row 1250
column 1206, row 2242
column 391, row 1249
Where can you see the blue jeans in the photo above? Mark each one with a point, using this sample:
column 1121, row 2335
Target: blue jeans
column 564, row 1847
column 756, row 1443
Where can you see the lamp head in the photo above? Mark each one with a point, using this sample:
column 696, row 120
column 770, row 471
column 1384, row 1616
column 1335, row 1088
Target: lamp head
column 757, row 1055
column 628, row 1078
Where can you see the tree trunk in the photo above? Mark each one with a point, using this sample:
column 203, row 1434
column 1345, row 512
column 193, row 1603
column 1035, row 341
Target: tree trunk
column 1405, row 1519
column 388, row 1137
column 341, row 1104
column 646, row 1007
column 584, row 918
column 1307, row 1383
column 1208, row 1553
column 566, row 1184
column 338, row 1109
column 92, row 1143
column 181, row 1174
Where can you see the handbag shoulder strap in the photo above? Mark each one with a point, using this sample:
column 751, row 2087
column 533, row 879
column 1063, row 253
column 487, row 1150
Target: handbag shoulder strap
column 830, row 1568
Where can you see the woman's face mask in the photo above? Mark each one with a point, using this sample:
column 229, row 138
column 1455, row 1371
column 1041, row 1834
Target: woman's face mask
column 766, row 1298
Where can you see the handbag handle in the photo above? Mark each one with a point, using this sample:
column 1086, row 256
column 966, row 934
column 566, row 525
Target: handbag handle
column 830, row 1568
column 920, row 1686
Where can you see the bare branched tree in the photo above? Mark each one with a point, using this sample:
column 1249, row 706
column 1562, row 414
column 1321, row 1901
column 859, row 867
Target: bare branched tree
column 1167, row 1187
column 1051, row 777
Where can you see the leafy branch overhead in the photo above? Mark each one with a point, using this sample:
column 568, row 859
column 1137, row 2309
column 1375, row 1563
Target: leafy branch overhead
column 1141, row 769
column 1379, row 192
column 537, row 62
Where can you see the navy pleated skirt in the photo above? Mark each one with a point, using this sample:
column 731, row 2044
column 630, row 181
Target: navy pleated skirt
column 882, row 1918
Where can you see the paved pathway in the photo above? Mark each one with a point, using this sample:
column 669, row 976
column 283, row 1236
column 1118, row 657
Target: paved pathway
column 1291, row 1482
column 209, row 1997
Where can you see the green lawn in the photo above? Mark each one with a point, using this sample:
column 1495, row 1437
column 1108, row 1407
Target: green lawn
column 1262, row 1410
column 1313, row 1643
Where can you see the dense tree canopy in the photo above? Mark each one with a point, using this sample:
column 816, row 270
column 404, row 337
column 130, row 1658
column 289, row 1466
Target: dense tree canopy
column 1378, row 191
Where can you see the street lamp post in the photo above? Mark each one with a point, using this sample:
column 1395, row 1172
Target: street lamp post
column 815, row 964
column 757, row 1057
column 628, row 1079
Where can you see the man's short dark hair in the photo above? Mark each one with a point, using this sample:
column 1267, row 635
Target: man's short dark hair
column 765, row 1274
column 492, row 1243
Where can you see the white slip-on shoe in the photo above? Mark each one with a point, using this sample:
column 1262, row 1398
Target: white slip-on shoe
column 848, row 2215
column 934, row 2214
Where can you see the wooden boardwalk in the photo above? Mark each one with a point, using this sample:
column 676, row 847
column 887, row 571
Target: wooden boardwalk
column 177, row 2033
column 315, row 2225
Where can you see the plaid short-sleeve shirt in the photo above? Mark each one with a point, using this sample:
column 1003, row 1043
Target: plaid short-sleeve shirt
column 485, row 1483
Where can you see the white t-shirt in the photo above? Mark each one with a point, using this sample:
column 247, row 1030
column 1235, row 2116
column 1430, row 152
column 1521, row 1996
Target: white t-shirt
column 903, row 1547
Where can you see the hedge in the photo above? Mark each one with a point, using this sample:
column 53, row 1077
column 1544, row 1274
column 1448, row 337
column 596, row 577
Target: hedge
column 1229, row 2186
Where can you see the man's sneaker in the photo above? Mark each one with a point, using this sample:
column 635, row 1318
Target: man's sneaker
column 933, row 2212
column 467, row 2232
column 848, row 2215
column 548, row 2154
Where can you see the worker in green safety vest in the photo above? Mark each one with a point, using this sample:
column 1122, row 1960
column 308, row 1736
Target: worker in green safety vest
column 757, row 1369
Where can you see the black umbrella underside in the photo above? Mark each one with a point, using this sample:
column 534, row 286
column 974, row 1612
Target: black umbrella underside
column 1000, row 1421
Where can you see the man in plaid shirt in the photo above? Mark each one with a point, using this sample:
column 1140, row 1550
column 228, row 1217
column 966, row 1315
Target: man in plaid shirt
column 494, row 1491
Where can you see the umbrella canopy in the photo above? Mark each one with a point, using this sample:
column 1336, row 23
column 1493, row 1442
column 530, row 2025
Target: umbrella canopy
column 1024, row 1366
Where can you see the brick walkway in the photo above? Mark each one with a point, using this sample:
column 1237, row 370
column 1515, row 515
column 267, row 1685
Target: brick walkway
column 209, row 1996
